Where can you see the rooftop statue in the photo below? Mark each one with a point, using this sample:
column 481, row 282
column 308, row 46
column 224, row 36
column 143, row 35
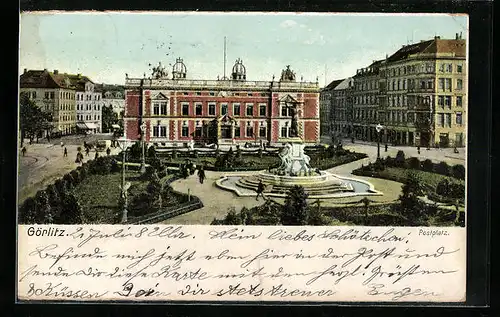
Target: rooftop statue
column 287, row 74
column 159, row 71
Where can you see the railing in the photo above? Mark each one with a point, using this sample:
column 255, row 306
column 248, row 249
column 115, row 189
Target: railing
column 186, row 83
column 168, row 213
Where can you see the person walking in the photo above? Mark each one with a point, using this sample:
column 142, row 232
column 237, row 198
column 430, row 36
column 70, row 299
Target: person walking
column 87, row 150
column 23, row 150
column 418, row 150
column 201, row 174
column 108, row 151
column 260, row 191
column 65, row 152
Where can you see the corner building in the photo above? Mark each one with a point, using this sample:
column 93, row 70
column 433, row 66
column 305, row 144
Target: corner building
column 176, row 110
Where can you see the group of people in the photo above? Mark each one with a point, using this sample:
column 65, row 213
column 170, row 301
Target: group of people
column 188, row 168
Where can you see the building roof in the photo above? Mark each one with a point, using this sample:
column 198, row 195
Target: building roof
column 333, row 84
column 46, row 79
column 434, row 46
column 344, row 84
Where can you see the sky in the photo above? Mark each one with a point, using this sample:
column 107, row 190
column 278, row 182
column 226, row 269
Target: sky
column 106, row 46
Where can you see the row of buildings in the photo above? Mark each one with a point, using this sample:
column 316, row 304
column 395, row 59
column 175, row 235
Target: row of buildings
column 74, row 101
column 418, row 94
column 173, row 110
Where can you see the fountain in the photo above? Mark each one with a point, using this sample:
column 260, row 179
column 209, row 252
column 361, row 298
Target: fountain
column 296, row 170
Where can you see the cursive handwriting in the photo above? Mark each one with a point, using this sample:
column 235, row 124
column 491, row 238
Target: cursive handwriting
column 380, row 289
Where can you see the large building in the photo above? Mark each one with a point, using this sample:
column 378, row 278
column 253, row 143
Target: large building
column 88, row 105
column 418, row 94
column 175, row 110
column 341, row 111
column 113, row 96
column 54, row 93
column 325, row 106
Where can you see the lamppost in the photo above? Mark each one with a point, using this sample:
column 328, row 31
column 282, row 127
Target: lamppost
column 143, row 158
column 379, row 129
column 123, row 143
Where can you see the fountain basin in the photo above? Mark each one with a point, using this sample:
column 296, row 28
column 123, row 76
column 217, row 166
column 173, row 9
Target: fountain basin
column 322, row 186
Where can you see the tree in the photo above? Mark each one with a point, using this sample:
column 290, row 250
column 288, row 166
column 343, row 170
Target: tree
column 27, row 211
column 295, row 211
column 458, row 171
column 155, row 189
column 43, row 214
column 32, row 120
column 443, row 188
column 109, row 117
column 400, row 159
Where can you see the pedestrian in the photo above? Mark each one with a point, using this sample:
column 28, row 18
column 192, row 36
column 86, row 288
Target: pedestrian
column 260, row 191
column 87, row 150
column 455, row 150
column 418, row 150
column 386, row 147
column 108, row 151
column 201, row 174
column 96, row 155
column 65, row 152
column 24, row 150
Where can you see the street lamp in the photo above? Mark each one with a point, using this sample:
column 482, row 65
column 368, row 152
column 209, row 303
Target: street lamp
column 123, row 143
column 379, row 129
column 143, row 158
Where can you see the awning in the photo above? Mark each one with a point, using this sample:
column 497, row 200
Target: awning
column 82, row 126
column 91, row 125
column 115, row 126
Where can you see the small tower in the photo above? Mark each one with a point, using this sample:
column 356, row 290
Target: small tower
column 179, row 69
column 239, row 71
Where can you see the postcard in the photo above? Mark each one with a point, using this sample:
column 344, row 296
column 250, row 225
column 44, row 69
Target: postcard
column 242, row 157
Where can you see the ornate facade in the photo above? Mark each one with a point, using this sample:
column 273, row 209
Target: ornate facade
column 176, row 109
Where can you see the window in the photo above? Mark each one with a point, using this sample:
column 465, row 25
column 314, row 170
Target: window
column 459, row 101
column 223, row 109
column 449, row 68
column 163, row 108
column 262, row 94
column 198, row 109
column 156, row 109
column 441, row 101
column 262, row 110
column 186, row 94
column 447, row 84
column 448, row 120
column 250, row 94
column 422, row 84
column 441, row 83
column 441, row 68
column 440, row 119
column 212, row 93
column 459, row 84
column 459, row 68
column 430, row 84
column 459, row 118
column 185, row 109
column 211, row 109
column 198, row 93
column 236, row 109
column 237, row 132
column 249, row 109
column 185, row 131
column 284, row 131
column 249, row 131
column 262, row 132
column 447, row 101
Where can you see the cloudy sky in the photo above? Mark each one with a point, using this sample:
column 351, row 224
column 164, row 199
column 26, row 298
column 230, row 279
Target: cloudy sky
column 105, row 46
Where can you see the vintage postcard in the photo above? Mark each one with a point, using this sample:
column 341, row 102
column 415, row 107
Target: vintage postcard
column 242, row 157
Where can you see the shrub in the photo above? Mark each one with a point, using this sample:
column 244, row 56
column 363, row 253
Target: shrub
column 70, row 182
column 428, row 166
column 457, row 190
column 400, row 159
column 43, row 212
column 76, row 177
column 101, row 166
column 71, row 211
column 458, row 171
column 442, row 168
column 414, row 163
column 135, row 151
column 294, row 211
column 152, row 152
column 389, row 162
column 27, row 211
column 443, row 188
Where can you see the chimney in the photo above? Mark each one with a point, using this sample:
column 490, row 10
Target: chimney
column 56, row 72
column 79, row 75
column 460, row 35
column 25, row 71
column 45, row 69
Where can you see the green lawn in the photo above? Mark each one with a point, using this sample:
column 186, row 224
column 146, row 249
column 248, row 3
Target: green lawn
column 98, row 195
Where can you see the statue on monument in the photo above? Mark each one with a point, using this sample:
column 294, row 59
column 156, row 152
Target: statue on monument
column 159, row 71
column 294, row 131
column 287, row 74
